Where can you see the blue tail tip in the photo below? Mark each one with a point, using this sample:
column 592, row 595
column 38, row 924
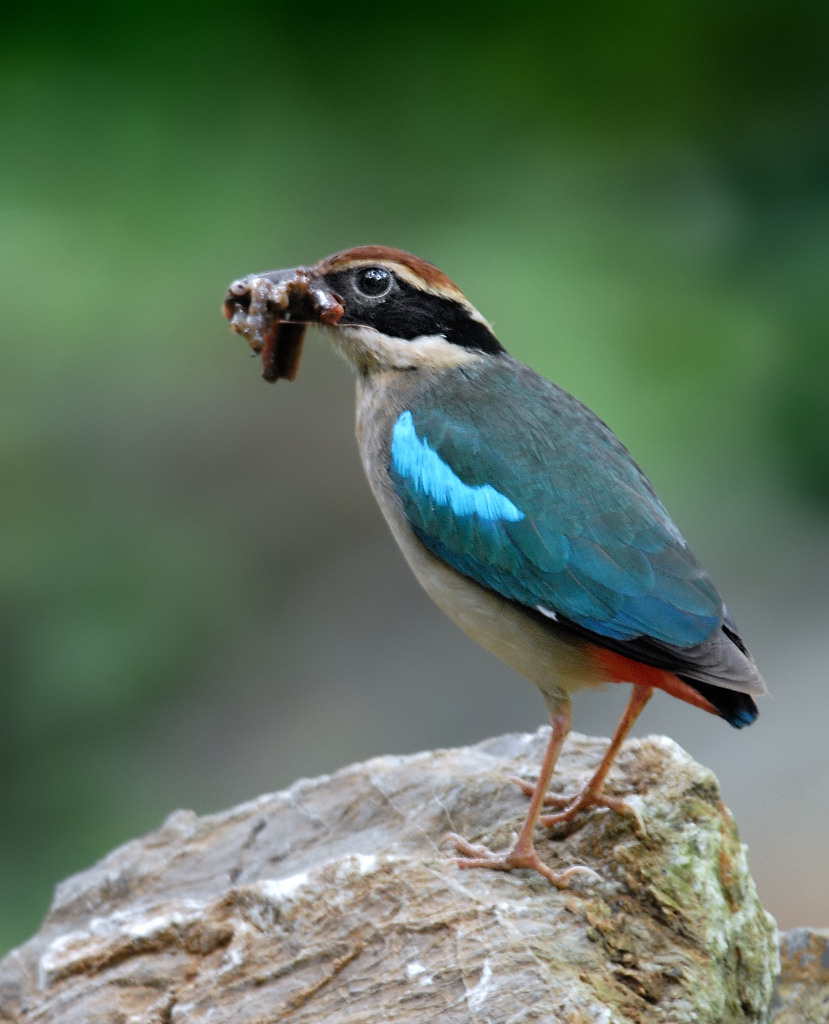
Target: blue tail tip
column 741, row 717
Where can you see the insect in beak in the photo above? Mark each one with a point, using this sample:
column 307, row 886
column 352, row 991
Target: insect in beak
column 273, row 310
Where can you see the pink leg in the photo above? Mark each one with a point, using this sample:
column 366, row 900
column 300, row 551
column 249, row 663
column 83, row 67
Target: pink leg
column 592, row 793
column 523, row 853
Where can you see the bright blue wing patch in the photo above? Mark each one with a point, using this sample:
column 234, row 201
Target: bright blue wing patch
column 533, row 497
column 426, row 471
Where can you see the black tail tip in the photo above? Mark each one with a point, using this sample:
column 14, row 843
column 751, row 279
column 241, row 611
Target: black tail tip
column 738, row 709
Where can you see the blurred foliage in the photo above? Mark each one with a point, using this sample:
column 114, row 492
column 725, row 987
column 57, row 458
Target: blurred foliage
column 640, row 187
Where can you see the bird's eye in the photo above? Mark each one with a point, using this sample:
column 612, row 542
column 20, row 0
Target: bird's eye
column 374, row 281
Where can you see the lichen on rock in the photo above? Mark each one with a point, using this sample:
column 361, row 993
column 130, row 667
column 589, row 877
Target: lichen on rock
column 337, row 900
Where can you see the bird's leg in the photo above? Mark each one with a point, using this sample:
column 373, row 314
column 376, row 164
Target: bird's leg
column 592, row 792
column 523, row 854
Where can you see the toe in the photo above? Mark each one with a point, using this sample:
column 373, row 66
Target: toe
column 550, row 799
column 527, row 788
column 468, row 849
column 621, row 806
column 569, row 812
column 531, row 860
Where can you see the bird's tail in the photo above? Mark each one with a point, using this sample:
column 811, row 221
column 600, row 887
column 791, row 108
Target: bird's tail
column 738, row 709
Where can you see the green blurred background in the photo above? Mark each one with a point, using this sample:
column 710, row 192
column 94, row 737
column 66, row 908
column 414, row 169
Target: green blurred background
column 199, row 600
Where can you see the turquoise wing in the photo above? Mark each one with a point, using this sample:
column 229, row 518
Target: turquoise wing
column 518, row 486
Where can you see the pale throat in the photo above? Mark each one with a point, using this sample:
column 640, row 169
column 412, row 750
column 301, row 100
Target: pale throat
column 370, row 350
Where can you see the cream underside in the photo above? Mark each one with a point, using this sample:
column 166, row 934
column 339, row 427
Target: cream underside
column 558, row 665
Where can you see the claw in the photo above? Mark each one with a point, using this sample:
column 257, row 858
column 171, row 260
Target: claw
column 476, row 856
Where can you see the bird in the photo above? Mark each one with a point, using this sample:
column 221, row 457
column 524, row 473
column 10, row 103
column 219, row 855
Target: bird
column 521, row 514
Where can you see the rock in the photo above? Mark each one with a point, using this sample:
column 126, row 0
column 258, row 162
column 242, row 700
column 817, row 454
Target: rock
column 802, row 995
column 335, row 901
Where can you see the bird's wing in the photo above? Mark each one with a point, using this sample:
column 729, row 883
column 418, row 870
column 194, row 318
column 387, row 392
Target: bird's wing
column 519, row 487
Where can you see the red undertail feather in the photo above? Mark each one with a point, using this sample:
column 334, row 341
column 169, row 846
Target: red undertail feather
column 620, row 669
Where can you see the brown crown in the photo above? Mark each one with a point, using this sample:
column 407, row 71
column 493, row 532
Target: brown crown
column 427, row 272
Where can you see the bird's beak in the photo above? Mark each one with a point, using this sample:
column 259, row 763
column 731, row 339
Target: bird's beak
column 272, row 311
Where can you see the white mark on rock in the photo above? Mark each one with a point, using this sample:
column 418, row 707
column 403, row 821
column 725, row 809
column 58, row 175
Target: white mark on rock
column 476, row 997
column 277, row 889
column 416, row 970
column 152, row 926
column 366, row 862
column 181, row 1012
column 233, row 958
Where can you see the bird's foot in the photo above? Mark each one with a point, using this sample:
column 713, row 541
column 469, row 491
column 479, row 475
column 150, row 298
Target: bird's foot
column 519, row 855
column 571, row 805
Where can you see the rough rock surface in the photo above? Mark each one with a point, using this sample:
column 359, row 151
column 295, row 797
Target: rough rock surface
column 335, row 901
column 802, row 995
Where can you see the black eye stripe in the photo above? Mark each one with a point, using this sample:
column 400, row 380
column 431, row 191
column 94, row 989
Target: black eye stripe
column 406, row 312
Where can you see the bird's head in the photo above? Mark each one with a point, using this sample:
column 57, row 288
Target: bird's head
column 385, row 310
